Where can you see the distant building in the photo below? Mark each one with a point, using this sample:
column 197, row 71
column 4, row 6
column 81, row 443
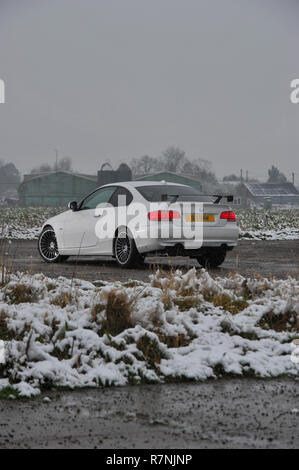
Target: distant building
column 57, row 188
column 257, row 194
column 107, row 175
column 171, row 178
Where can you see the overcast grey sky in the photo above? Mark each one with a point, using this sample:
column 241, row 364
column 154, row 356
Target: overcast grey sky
column 116, row 79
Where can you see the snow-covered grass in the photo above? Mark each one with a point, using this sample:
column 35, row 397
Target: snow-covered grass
column 273, row 224
column 178, row 326
column 25, row 222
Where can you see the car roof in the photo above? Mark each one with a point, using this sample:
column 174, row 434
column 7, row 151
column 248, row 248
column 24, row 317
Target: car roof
column 137, row 184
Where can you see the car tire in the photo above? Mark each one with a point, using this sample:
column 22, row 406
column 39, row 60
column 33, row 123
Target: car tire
column 212, row 258
column 47, row 247
column 125, row 251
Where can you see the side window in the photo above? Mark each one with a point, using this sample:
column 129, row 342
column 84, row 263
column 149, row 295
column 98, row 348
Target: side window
column 121, row 197
column 101, row 196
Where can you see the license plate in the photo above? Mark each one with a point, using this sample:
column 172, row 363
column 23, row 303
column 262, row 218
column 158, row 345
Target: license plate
column 200, row 218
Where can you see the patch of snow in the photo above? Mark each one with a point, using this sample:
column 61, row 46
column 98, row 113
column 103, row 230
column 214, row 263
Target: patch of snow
column 66, row 346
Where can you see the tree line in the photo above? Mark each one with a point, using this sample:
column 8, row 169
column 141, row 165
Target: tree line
column 174, row 160
column 64, row 163
column 274, row 176
column 10, row 178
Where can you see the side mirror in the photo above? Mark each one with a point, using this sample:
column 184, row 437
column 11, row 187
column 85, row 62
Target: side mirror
column 73, row 205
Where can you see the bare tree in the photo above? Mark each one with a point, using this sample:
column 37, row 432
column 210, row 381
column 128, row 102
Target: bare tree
column 199, row 168
column 275, row 176
column 173, row 159
column 44, row 168
column 64, row 163
column 9, row 177
column 231, row 177
column 144, row 165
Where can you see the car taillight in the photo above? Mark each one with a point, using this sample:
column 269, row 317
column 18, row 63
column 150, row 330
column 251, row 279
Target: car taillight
column 163, row 215
column 230, row 216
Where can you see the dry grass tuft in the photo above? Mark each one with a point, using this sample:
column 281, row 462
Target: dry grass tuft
column 95, row 310
column 62, row 300
column 50, row 286
column 4, row 333
column 246, row 292
column 185, row 303
column 230, row 304
column 208, row 294
column 3, row 318
column 164, row 279
column 168, row 280
column 21, row 293
column 7, row 334
column 177, row 341
column 288, row 321
column 166, row 299
column 150, row 349
column 132, row 283
column 118, row 313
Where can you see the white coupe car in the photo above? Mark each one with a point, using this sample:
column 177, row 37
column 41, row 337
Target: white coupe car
column 130, row 220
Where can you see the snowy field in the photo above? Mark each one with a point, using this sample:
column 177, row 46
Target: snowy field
column 25, row 222
column 72, row 333
column 274, row 224
column 259, row 224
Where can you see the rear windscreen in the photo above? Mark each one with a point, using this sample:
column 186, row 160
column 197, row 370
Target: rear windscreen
column 157, row 193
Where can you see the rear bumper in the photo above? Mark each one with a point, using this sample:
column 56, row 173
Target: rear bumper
column 226, row 237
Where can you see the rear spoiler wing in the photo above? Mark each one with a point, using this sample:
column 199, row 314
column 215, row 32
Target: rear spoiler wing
column 228, row 197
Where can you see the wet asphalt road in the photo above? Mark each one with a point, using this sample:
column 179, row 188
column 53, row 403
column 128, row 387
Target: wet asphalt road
column 269, row 258
column 228, row 413
column 237, row 413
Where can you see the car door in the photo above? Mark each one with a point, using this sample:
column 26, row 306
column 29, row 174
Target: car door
column 79, row 231
column 110, row 216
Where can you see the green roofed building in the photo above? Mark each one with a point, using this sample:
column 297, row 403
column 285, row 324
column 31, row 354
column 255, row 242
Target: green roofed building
column 55, row 188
